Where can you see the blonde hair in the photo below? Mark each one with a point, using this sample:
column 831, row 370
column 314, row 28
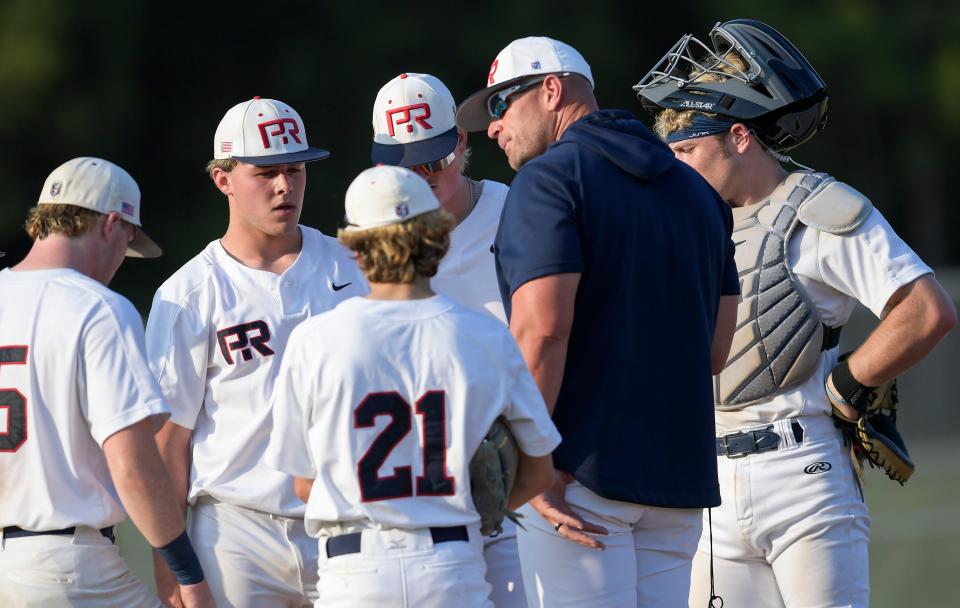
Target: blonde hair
column 669, row 121
column 68, row 220
column 399, row 253
column 226, row 164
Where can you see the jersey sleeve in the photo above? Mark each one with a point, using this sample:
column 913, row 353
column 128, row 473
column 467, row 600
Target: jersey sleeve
column 526, row 411
column 540, row 208
column 117, row 389
column 289, row 447
column 869, row 264
column 177, row 347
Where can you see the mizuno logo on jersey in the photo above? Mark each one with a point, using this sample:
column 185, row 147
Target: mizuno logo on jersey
column 246, row 338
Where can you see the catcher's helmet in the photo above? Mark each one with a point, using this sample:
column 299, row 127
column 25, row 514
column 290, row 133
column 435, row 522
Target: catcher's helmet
column 779, row 94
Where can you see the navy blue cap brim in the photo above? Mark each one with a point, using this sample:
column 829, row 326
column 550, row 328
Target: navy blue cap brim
column 416, row 153
column 303, row 156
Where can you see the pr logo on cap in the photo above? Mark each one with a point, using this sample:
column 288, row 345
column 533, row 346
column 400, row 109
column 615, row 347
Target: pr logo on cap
column 281, row 130
column 402, row 210
column 406, row 113
column 55, row 189
column 493, row 70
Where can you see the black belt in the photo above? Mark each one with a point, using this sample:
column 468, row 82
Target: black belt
column 744, row 443
column 345, row 544
column 831, row 337
column 18, row 532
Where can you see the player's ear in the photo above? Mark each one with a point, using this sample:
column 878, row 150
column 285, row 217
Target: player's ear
column 109, row 224
column 221, row 180
column 741, row 137
column 461, row 142
column 552, row 89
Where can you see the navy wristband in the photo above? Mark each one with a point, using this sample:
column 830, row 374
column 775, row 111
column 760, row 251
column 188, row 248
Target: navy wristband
column 182, row 560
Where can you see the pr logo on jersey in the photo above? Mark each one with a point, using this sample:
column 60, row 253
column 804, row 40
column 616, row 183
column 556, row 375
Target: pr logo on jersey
column 246, row 338
column 408, row 113
column 817, row 468
column 283, row 128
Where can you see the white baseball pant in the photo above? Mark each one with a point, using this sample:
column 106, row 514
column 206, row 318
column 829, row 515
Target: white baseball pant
column 82, row 570
column 790, row 532
column 253, row 559
column 503, row 568
column 405, row 568
column 646, row 562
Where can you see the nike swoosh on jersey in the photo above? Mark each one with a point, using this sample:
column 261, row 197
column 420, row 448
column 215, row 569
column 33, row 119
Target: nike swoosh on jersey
column 735, row 245
column 336, row 287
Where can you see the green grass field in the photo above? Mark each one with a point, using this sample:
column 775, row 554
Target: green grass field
column 915, row 547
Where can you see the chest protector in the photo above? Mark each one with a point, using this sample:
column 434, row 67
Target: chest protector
column 780, row 333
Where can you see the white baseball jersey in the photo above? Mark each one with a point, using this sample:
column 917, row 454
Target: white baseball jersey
column 385, row 402
column 215, row 337
column 867, row 265
column 467, row 274
column 72, row 373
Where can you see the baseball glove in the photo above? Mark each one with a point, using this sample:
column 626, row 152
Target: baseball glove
column 873, row 436
column 493, row 470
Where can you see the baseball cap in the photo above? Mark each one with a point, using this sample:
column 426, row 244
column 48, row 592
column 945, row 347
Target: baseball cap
column 414, row 121
column 264, row 132
column 101, row 186
column 385, row 195
column 522, row 58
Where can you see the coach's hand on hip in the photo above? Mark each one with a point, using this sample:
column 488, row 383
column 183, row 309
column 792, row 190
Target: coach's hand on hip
column 552, row 506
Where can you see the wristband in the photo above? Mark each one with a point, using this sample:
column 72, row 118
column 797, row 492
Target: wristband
column 182, row 560
column 851, row 391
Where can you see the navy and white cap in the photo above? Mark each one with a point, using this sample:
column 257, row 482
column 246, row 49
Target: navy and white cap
column 101, row 186
column 414, row 121
column 264, row 132
column 521, row 59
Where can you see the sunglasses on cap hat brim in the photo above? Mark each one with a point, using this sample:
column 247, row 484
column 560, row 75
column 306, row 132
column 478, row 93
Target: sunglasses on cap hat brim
column 498, row 103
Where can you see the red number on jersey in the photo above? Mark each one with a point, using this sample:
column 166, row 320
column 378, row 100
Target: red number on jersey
column 434, row 481
column 14, row 402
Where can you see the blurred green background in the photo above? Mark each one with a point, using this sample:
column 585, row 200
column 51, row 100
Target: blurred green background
column 144, row 84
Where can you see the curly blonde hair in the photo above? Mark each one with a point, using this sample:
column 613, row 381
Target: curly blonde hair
column 68, row 220
column 399, row 253
column 669, row 121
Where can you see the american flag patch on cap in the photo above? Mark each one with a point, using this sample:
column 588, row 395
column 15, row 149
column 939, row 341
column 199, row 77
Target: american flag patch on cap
column 126, row 208
column 226, row 147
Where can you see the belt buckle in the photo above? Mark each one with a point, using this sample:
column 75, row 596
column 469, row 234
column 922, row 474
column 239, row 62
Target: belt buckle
column 726, row 446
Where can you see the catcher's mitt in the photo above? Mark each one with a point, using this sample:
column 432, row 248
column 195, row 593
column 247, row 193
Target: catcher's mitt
column 493, row 470
column 873, row 436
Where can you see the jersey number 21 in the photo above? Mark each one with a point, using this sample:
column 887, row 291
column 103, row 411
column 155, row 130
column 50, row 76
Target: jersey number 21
column 434, row 481
column 13, row 402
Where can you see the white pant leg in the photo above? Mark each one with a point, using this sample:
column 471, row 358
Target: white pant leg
column 503, row 568
column 646, row 560
column 819, row 549
column 806, row 533
column 741, row 582
column 84, row 570
column 253, row 559
column 666, row 541
column 404, row 569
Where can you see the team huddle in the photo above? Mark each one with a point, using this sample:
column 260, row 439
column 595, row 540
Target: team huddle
column 653, row 316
